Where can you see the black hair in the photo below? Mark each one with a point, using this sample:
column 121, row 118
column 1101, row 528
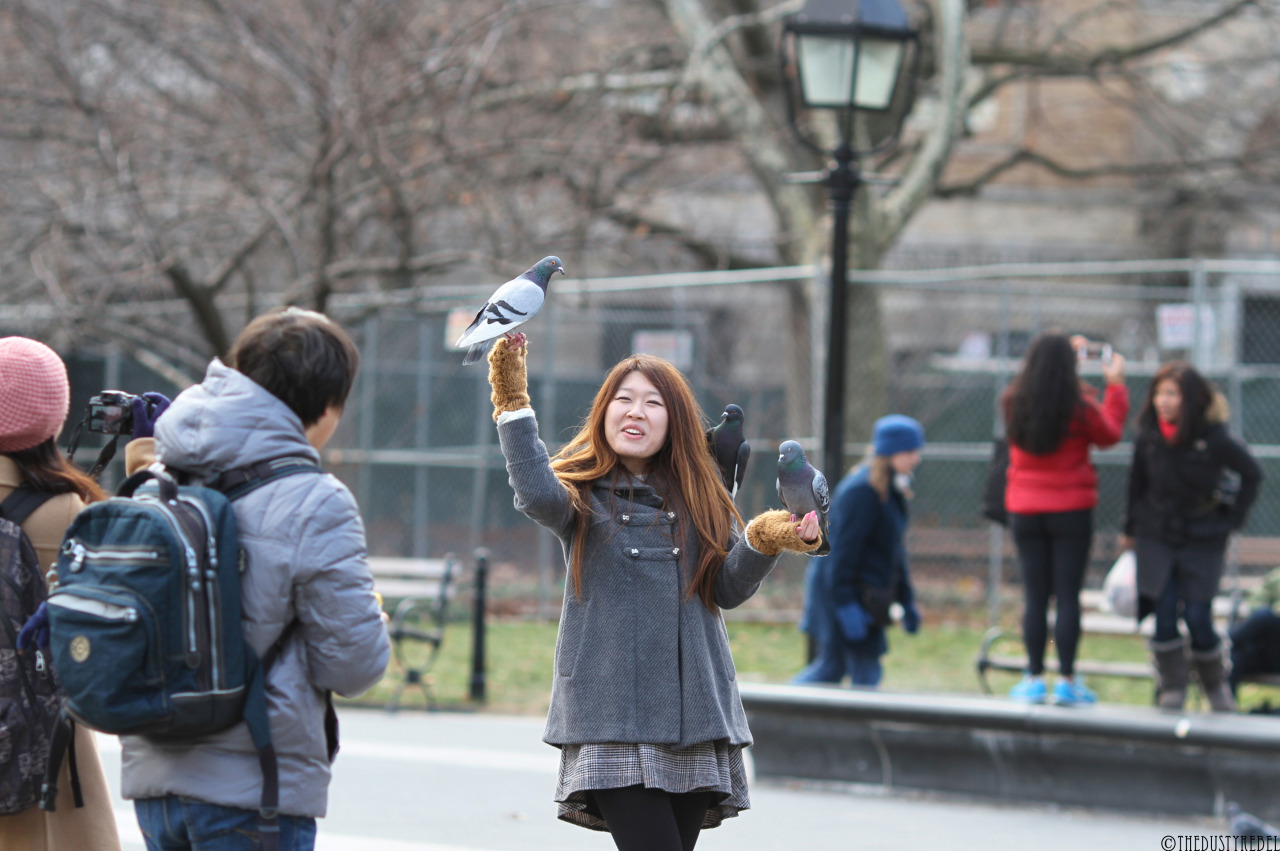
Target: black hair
column 301, row 357
column 1045, row 397
column 1197, row 395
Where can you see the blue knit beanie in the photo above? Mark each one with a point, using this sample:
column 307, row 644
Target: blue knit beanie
column 897, row 433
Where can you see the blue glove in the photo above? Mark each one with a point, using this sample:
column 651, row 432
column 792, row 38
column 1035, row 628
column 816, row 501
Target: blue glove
column 146, row 409
column 911, row 618
column 854, row 621
column 35, row 632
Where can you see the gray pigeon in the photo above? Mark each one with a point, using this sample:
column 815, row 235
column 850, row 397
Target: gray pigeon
column 729, row 448
column 803, row 489
column 1241, row 823
column 512, row 304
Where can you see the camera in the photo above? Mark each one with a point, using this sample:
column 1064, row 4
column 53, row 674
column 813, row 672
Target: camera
column 110, row 412
column 1094, row 351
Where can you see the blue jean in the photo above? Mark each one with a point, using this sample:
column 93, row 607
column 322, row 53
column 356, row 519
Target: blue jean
column 835, row 658
column 1197, row 614
column 173, row 823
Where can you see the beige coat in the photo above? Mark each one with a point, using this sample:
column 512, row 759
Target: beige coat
column 93, row 826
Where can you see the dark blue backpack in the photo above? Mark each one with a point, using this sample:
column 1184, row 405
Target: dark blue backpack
column 145, row 620
column 28, row 695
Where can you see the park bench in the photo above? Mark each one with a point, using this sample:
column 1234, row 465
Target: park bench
column 1093, row 621
column 416, row 593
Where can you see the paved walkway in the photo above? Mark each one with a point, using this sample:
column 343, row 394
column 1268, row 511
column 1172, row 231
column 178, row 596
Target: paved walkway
column 457, row 782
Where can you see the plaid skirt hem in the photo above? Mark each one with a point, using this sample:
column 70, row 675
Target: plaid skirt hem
column 708, row 767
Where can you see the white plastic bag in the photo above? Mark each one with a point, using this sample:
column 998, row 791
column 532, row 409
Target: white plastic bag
column 1120, row 588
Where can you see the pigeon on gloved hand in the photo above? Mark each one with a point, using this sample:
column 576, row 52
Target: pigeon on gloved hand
column 803, row 489
column 729, row 448
column 146, row 409
column 510, row 306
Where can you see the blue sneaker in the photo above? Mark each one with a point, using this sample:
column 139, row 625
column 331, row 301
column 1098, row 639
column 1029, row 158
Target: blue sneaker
column 1029, row 690
column 1072, row 692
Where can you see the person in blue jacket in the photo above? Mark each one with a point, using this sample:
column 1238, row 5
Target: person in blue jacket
column 848, row 593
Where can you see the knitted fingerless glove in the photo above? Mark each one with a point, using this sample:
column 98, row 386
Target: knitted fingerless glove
column 508, row 378
column 774, row 531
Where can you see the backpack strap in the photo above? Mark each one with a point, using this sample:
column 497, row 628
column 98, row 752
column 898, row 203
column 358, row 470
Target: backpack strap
column 235, row 484
column 20, row 504
column 63, row 742
column 243, row 480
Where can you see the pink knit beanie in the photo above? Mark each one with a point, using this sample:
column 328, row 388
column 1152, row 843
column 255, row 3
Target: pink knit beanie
column 34, row 393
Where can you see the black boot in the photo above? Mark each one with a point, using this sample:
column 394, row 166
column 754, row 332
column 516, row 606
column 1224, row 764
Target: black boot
column 1170, row 659
column 1213, row 679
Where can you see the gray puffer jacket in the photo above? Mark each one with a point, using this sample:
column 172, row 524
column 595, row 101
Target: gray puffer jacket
column 306, row 560
column 637, row 659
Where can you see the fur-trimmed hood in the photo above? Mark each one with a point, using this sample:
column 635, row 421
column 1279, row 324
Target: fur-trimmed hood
column 1219, row 410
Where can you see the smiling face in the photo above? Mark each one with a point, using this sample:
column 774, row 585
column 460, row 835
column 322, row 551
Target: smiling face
column 635, row 422
column 1168, row 400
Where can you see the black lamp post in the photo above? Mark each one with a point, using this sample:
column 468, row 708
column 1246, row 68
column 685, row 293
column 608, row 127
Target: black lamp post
column 848, row 56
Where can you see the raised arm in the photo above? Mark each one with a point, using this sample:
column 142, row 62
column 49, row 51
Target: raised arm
column 539, row 495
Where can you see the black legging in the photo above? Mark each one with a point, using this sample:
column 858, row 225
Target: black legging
column 1053, row 550
column 643, row 819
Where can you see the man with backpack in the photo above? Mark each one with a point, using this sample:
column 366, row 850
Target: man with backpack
column 306, row 590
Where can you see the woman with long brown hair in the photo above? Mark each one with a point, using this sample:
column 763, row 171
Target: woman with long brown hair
column 36, row 393
column 644, row 702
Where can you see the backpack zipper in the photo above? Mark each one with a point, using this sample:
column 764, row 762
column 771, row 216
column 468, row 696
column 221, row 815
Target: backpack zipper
column 212, row 590
column 93, row 606
column 192, row 582
column 80, row 553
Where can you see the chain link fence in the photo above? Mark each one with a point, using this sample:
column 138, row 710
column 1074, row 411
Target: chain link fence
column 418, row 446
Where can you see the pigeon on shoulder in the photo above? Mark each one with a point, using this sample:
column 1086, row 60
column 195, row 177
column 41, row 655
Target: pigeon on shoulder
column 511, row 305
column 729, row 448
column 803, row 489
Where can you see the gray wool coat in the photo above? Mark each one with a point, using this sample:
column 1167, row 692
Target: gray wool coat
column 637, row 660
column 305, row 544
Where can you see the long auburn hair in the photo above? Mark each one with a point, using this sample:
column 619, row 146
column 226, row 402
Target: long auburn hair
column 681, row 471
column 1045, row 398
column 47, row 470
column 1197, row 396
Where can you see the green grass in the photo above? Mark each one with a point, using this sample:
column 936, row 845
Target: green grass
column 940, row 659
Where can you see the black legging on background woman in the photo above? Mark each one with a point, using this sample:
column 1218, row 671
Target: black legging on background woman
column 1054, row 552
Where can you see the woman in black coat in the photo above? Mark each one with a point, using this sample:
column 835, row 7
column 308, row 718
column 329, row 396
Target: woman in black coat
column 1180, row 514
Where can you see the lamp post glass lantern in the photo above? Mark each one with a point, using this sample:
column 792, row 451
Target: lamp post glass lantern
column 845, row 55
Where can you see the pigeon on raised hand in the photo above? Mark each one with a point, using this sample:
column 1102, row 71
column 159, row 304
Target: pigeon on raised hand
column 803, row 489
column 511, row 305
column 729, row 448
column 1241, row 823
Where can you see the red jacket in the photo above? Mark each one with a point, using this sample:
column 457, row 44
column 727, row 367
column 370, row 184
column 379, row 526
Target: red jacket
column 1064, row 480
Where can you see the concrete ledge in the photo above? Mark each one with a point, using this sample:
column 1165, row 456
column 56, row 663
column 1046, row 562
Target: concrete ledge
column 1116, row 757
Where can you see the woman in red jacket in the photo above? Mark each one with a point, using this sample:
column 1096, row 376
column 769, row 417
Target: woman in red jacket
column 1052, row 418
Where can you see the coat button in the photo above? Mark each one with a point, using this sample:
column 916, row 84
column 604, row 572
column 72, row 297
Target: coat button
column 626, row 518
column 671, row 515
column 635, row 553
column 675, row 551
